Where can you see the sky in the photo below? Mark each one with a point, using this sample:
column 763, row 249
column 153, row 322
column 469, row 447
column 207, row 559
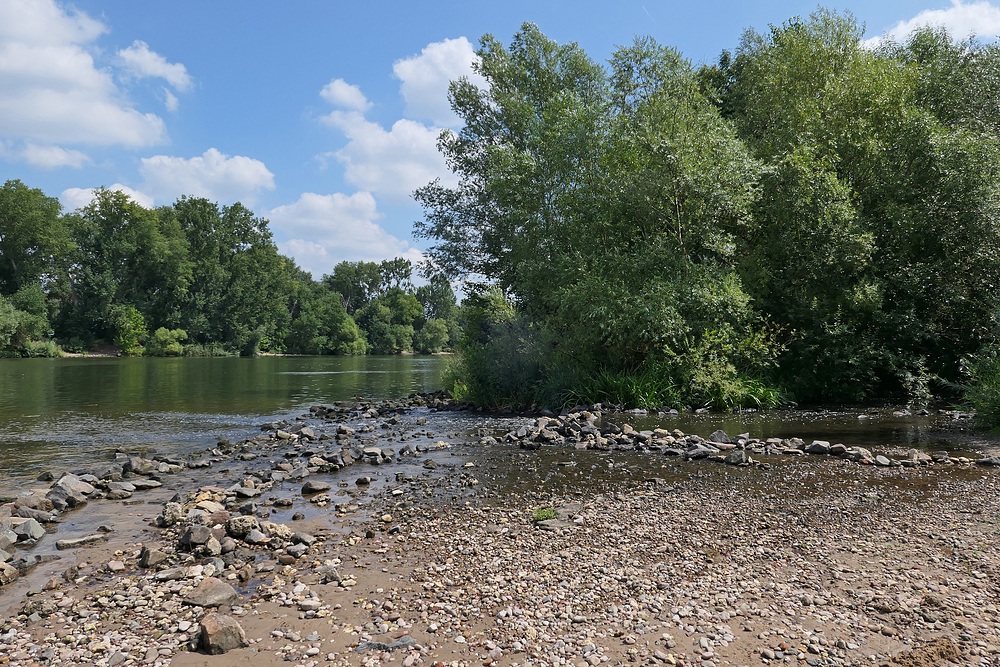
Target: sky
column 320, row 116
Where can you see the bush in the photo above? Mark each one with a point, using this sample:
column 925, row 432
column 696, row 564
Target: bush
column 41, row 348
column 983, row 390
column 207, row 350
column 166, row 343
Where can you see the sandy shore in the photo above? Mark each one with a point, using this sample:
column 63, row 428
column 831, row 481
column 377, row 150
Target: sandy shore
column 650, row 560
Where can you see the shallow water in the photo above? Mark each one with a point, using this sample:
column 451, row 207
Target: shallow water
column 64, row 413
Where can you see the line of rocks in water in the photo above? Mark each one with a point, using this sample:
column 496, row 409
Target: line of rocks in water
column 588, row 430
column 23, row 521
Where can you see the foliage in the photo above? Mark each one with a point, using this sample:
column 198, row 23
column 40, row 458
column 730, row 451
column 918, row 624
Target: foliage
column 432, row 337
column 543, row 514
column 608, row 206
column 166, row 343
column 129, row 329
column 983, row 390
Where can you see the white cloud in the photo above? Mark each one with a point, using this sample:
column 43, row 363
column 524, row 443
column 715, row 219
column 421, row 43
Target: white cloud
column 212, row 175
column 74, row 198
column 390, row 164
column 324, row 230
column 170, row 100
column 142, row 62
column 50, row 157
column 424, row 79
column 53, row 92
column 344, row 95
column 962, row 19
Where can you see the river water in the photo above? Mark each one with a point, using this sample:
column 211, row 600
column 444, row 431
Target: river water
column 59, row 414
column 64, row 414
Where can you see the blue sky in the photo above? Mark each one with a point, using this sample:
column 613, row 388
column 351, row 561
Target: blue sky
column 319, row 116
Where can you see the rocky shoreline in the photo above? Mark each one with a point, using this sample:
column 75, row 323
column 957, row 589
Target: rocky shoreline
column 354, row 535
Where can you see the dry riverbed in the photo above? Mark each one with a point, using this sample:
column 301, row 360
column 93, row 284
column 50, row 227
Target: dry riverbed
column 434, row 557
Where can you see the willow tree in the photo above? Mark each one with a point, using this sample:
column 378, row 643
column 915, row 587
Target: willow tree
column 605, row 204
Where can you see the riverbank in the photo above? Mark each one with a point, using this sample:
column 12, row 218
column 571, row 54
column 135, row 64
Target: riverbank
column 432, row 556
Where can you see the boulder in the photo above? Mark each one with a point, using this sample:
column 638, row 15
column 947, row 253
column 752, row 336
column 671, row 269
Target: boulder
column 818, row 447
column 220, row 633
column 241, row 526
column 69, row 491
column 313, row 486
column 212, row 592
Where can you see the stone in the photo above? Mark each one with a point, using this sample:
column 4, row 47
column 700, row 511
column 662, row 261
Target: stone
column 81, row 541
column 818, row 447
column 882, row 461
column 720, row 436
column 8, row 573
column 738, row 457
column 241, row 526
column 151, row 557
column 70, row 491
column 29, row 530
column 313, row 486
column 172, row 514
column 220, row 633
column 212, row 592
column 195, row 536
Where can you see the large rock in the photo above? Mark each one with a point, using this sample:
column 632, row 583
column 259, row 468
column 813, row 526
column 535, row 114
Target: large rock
column 241, row 526
column 818, row 447
column 212, row 592
column 29, row 529
column 220, row 633
column 195, row 536
column 69, row 491
column 314, row 486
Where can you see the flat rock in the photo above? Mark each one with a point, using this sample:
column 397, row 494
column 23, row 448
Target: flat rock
column 313, row 486
column 212, row 592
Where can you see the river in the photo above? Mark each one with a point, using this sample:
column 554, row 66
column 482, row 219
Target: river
column 63, row 414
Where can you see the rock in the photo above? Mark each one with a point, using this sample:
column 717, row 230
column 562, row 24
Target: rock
column 882, row 461
column 81, row 541
column 818, row 447
column 738, row 457
column 220, row 633
column 241, row 526
column 195, row 536
column 151, row 557
column 29, row 529
column 69, row 491
column 212, row 592
column 313, row 486
column 8, row 573
column 720, row 436
column 172, row 514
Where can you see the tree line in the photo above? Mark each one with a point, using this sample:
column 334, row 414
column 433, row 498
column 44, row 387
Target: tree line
column 194, row 278
column 809, row 218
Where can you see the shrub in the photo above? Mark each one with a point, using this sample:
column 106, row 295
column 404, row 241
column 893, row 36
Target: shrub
column 166, row 343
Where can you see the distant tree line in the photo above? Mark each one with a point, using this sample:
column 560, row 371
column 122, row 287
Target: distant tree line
column 194, row 278
column 808, row 218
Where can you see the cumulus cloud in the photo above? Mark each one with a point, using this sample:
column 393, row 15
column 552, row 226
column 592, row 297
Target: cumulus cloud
column 50, row 157
column 53, row 91
column 424, row 79
column 212, row 175
column 140, row 61
column 389, row 163
column 323, row 230
column 344, row 95
column 75, row 198
column 962, row 19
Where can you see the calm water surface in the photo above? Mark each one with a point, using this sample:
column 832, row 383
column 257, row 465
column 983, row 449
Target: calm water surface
column 57, row 413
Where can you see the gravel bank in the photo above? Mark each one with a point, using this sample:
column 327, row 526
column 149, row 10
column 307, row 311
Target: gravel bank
column 650, row 560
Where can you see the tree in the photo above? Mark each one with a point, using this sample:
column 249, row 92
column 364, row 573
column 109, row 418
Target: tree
column 606, row 206
column 356, row 282
column 33, row 237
